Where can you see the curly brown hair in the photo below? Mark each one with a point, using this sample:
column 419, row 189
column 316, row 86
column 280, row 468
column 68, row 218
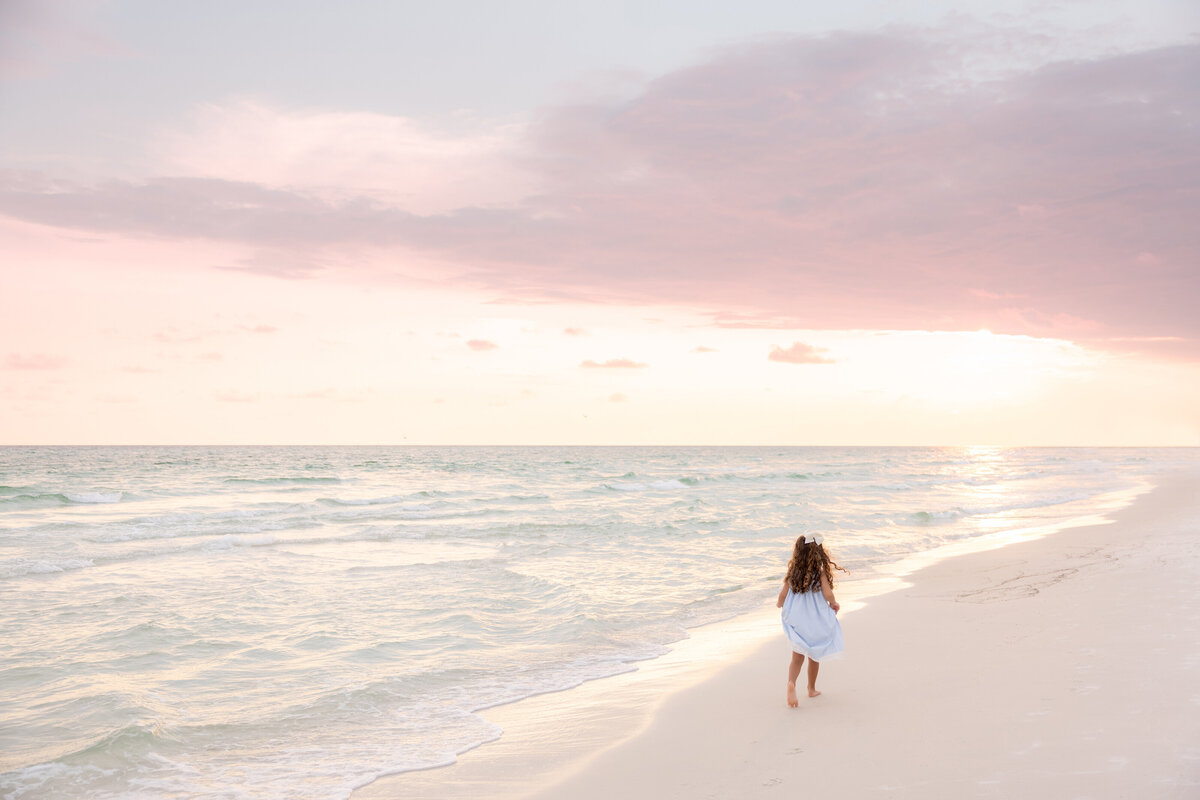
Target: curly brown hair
column 809, row 562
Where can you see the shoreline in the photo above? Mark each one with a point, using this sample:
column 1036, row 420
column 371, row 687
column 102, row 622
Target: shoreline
column 549, row 741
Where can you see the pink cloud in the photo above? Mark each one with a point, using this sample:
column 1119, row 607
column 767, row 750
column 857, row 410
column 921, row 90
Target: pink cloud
column 617, row 397
column 989, row 295
column 846, row 181
column 1032, row 210
column 614, row 363
column 799, row 353
column 481, row 345
column 574, row 332
column 34, row 361
column 702, row 349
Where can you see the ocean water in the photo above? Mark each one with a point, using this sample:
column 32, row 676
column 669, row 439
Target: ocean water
column 257, row 622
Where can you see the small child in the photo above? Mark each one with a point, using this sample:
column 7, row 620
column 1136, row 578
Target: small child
column 809, row 611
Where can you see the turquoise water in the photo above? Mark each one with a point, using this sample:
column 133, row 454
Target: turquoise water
column 292, row 622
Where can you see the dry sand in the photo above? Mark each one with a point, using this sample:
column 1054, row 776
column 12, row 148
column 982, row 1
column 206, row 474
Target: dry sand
column 1064, row 667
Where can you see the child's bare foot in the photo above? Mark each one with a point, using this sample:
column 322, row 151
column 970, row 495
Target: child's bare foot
column 792, row 700
column 812, row 692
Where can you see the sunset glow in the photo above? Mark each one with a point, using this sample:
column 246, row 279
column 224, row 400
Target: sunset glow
column 818, row 230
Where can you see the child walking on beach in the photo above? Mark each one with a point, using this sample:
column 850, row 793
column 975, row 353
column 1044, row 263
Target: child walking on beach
column 809, row 611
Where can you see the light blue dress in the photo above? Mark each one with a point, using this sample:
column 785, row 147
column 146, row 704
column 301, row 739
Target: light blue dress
column 811, row 626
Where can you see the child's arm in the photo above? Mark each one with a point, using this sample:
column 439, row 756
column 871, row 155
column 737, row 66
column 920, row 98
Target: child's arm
column 782, row 594
column 827, row 590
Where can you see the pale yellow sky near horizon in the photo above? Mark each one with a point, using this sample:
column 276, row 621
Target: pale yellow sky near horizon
column 203, row 357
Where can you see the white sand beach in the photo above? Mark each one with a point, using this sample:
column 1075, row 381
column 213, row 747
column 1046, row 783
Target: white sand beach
column 1066, row 666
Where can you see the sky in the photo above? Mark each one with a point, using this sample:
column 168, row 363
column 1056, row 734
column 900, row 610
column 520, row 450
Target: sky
column 678, row 223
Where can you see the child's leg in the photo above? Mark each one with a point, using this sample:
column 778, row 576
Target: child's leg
column 793, row 674
column 813, row 666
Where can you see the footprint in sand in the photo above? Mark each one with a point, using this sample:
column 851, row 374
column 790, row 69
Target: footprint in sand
column 772, row 782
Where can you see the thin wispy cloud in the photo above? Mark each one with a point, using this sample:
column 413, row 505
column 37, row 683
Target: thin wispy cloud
column 328, row 393
column 237, row 397
column 173, row 336
column 34, row 361
column 395, row 160
column 613, row 363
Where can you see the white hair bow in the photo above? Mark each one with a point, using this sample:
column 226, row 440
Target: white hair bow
column 813, row 538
